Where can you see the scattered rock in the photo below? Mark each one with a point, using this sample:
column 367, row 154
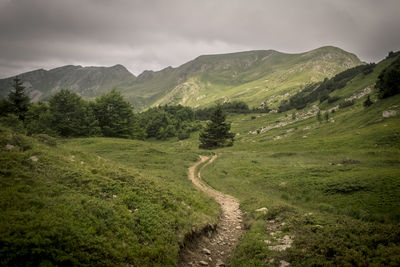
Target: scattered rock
column 389, row 113
column 267, row 241
column 9, row 147
column 220, row 263
column 284, row 263
column 114, row 196
column 263, row 210
column 283, row 184
column 203, row 263
column 238, row 227
column 34, row 158
column 206, row 251
column 286, row 242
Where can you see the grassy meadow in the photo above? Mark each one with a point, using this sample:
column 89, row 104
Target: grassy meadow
column 330, row 185
column 98, row 201
column 333, row 184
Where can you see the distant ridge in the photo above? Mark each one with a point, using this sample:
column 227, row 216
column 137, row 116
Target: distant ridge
column 253, row 76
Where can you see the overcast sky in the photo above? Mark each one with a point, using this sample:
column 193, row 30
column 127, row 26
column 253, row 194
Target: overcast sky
column 154, row 34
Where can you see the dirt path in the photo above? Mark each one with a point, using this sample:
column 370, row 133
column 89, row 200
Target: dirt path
column 215, row 249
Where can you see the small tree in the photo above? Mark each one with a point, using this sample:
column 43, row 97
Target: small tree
column 67, row 111
column 18, row 99
column 368, row 102
column 319, row 116
column 217, row 132
column 115, row 115
column 326, row 116
column 388, row 83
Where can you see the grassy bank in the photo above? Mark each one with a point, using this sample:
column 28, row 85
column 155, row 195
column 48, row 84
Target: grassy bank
column 333, row 186
column 96, row 201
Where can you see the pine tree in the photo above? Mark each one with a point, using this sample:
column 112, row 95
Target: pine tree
column 67, row 111
column 115, row 115
column 217, row 132
column 18, row 99
column 368, row 102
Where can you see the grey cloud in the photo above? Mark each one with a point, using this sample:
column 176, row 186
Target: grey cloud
column 154, row 34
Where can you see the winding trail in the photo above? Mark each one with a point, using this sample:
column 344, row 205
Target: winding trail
column 215, row 249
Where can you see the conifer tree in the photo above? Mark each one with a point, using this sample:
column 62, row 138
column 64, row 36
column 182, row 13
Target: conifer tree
column 217, row 132
column 115, row 115
column 19, row 99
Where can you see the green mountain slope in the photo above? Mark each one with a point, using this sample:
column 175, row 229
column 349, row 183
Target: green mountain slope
column 331, row 186
column 253, row 76
column 88, row 82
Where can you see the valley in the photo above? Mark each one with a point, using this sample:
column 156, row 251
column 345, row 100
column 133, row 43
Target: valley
column 316, row 186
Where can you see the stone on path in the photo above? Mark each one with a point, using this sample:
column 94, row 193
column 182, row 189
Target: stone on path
column 203, row 263
column 206, row 251
column 263, row 210
column 219, row 263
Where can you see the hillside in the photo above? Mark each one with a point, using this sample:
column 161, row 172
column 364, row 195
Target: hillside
column 88, row 82
column 330, row 187
column 254, row 76
column 98, row 201
column 313, row 191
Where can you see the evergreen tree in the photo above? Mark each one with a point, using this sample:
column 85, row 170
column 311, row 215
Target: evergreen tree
column 38, row 119
column 388, row 83
column 368, row 102
column 217, row 132
column 18, row 99
column 326, row 116
column 319, row 116
column 115, row 115
column 67, row 112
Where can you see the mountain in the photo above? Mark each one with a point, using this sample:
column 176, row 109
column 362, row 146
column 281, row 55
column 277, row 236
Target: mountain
column 253, row 76
column 256, row 77
column 86, row 81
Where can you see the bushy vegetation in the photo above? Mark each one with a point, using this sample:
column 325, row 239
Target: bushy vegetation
column 321, row 91
column 168, row 121
column 234, row 107
column 388, row 83
column 95, row 201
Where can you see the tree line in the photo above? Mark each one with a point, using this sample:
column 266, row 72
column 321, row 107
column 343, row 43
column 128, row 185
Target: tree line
column 66, row 114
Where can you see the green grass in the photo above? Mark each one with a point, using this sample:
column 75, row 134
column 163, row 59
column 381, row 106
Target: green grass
column 345, row 173
column 96, row 202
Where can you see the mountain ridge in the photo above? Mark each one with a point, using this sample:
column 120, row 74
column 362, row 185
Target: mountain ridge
column 199, row 82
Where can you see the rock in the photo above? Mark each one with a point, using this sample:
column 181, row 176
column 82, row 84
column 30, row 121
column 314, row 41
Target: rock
column 263, row 210
column 389, row 113
column 206, row 251
column 34, row 158
column 203, row 263
column 9, row 147
column 284, row 263
column 283, row 184
column 238, row 227
column 267, row 241
column 219, row 263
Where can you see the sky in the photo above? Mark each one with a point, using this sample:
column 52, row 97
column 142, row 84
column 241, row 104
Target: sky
column 154, row 34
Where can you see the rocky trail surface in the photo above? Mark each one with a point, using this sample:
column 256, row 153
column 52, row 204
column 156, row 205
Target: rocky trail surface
column 215, row 248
